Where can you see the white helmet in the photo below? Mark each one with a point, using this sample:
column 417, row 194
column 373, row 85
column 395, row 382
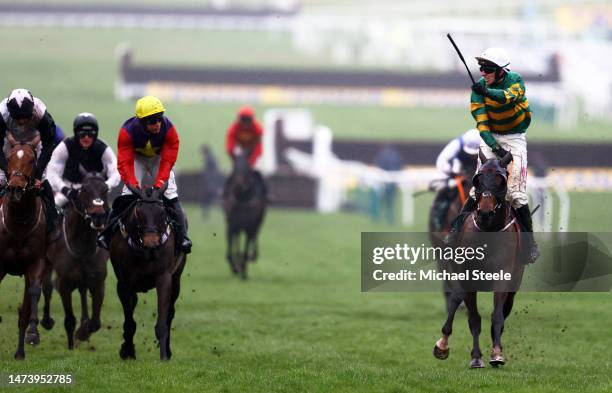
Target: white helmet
column 471, row 141
column 497, row 56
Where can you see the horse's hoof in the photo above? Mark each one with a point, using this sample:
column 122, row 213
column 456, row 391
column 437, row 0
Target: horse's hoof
column 440, row 353
column 47, row 323
column 19, row 355
column 32, row 338
column 82, row 333
column 127, row 352
column 477, row 363
column 497, row 360
column 93, row 326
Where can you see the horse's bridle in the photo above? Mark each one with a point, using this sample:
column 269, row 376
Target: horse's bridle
column 83, row 213
column 489, row 194
column 138, row 240
column 29, row 179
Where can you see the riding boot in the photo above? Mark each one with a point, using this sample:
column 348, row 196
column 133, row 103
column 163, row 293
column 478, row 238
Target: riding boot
column 52, row 212
column 468, row 207
column 529, row 249
column 177, row 214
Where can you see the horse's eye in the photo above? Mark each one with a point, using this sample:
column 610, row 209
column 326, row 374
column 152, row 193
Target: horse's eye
column 498, row 180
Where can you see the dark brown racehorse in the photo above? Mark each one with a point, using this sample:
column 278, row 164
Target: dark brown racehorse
column 23, row 237
column 450, row 199
column 492, row 215
column 77, row 260
column 244, row 204
column 144, row 256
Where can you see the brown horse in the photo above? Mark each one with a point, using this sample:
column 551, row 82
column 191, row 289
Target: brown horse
column 144, row 256
column 445, row 207
column 23, row 237
column 78, row 261
column 492, row 215
column 244, row 204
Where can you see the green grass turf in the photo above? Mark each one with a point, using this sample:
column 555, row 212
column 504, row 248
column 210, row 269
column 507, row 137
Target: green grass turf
column 301, row 324
column 74, row 70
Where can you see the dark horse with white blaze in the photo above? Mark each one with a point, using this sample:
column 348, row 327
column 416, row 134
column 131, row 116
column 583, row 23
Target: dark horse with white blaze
column 77, row 260
column 493, row 215
column 144, row 256
column 23, row 238
column 244, row 204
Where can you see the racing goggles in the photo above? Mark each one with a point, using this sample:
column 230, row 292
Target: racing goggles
column 153, row 119
column 488, row 68
column 89, row 133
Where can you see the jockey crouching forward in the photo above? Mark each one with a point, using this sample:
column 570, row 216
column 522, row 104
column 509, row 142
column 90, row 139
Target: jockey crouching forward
column 458, row 158
column 244, row 135
column 502, row 114
column 149, row 144
column 24, row 118
column 83, row 152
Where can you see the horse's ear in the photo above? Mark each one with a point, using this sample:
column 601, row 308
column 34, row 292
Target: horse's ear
column 476, row 180
column 83, row 171
column 481, row 155
column 160, row 192
column 11, row 139
column 135, row 190
column 35, row 141
column 505, row 160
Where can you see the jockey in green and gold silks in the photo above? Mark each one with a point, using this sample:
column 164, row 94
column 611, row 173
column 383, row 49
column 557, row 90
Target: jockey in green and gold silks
column 505, row 109
column 501, row 110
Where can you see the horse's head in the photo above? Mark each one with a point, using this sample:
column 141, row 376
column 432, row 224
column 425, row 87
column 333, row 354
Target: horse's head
column 92, row 200
column 150, row 219
column 490, row 184
column 21, row 166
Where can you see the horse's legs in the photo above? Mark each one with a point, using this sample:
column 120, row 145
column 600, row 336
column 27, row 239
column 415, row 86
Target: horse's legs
column 47, row 287
column 23, row 312
column 69, row 319
column 251, row 251
column 474, row 321
column 176, row 290
column 83, row 330
column 230, row 249
column 244, row 256
column 508, row 306
column 163, row 284
column 128, row 299
column 34, row 275
column 497, row 326
column 2, row 274
column 97, row 298
column 441, row 348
